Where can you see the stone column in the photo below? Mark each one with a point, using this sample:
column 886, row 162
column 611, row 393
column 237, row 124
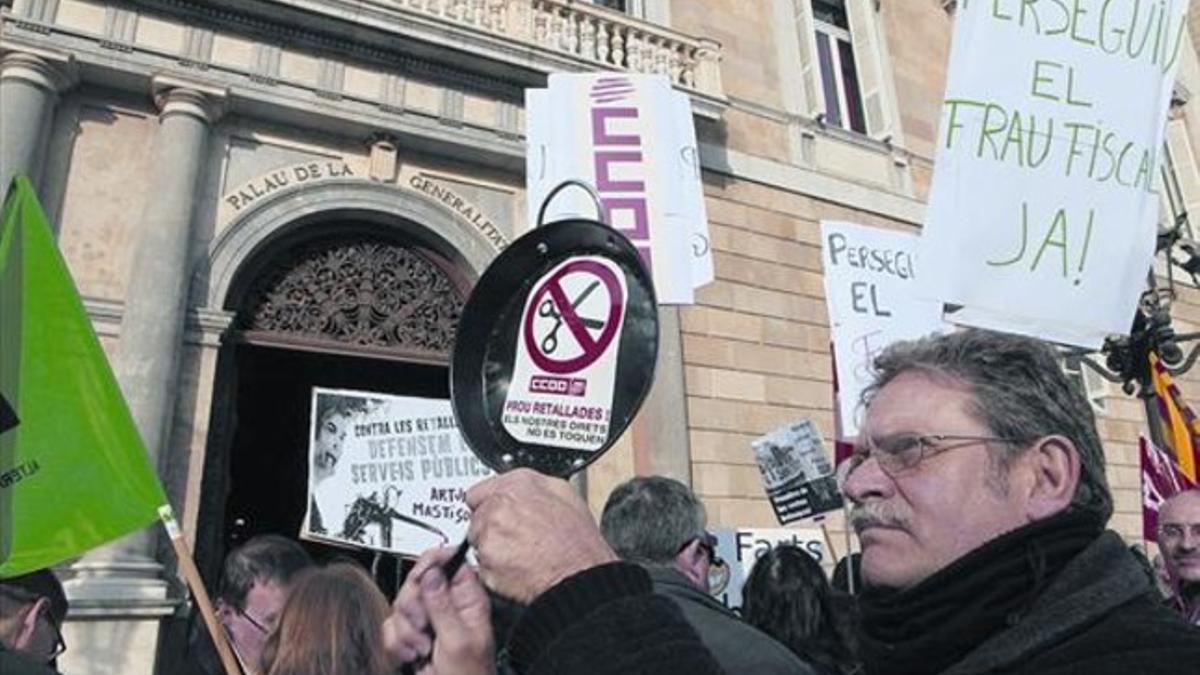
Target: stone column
column 152, row 324
column 708, row 68
column 30, row 82
column 661, row 444
column 122, row 583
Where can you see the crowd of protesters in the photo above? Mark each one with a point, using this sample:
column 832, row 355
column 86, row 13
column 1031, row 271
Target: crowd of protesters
column 977, row 490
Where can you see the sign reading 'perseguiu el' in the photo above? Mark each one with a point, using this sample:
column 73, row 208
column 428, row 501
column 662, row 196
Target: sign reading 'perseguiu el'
column 870, row 280
column 1043, row 206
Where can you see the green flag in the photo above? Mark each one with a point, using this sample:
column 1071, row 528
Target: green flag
column 74, row 473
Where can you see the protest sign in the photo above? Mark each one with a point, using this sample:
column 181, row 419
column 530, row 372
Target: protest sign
column 556, row 349
column 740, row 548
column 797, row 474
column 74, row 472
column 562, row 383
column 870, row 283
column 631, row 137
column 1043, row 205
column 388, row 473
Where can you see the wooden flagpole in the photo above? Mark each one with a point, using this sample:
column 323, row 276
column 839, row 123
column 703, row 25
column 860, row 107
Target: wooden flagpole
column 828, row 541
column 833, row 556
column 192, row 575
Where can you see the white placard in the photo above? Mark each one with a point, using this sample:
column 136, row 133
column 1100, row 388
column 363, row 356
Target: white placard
column 565, row 365
column 740, row 548
column 870, row 286
column 797, row 474
column 1043, row 207
column 387, row 473
column 632, row 138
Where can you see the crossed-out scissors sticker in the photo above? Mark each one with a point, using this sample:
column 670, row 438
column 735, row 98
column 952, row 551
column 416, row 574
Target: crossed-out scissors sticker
column 547, row 310
column 562, row 300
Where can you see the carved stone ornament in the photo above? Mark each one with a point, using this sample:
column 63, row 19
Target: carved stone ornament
column 358, row 292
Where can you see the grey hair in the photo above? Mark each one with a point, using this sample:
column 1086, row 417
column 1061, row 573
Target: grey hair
column 264, row 558
column 649, row 518
column 1019, row 391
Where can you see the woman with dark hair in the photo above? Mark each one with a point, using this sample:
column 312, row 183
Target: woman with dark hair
column 331, row 625
column 788, row 598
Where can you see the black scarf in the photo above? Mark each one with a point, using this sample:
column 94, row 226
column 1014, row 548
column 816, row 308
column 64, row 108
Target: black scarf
column 927, row 628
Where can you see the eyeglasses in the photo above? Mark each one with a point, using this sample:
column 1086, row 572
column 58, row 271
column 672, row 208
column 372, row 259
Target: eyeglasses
column 1173, row 532
column 60, row 645
column 254, row 622
column 708, row 544
column 901, row 452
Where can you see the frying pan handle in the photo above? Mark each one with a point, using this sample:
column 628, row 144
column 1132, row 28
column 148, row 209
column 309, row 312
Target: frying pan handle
column 566, row 184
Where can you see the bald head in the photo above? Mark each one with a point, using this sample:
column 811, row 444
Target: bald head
column 1179, row 536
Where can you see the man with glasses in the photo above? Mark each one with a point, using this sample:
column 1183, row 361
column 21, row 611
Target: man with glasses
column 980, row 500
column 32, row 609
column 659, row 523
column 1179, row 541
column 255, row 582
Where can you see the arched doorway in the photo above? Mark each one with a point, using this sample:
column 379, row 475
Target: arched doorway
column 337, row 303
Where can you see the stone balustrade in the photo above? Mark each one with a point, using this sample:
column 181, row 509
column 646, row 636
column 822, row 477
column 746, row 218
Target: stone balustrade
column 600, row 37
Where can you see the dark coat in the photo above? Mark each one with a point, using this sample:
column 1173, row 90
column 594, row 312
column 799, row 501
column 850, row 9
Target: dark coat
column 606, row 621
column 12, row 663
column 737, row 646
column 1100, row 616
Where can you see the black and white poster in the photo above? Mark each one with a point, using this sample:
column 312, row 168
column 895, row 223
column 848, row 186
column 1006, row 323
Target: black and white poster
column 797, row 474
column 388, row 473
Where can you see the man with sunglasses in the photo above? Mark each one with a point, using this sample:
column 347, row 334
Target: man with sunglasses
column 980, row 500
column 659, row 523
column 32, row 609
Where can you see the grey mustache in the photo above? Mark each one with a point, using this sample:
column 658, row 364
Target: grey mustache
column 877, row 514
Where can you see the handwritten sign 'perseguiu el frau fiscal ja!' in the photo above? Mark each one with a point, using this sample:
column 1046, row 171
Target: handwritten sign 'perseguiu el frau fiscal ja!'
column 1044, row 202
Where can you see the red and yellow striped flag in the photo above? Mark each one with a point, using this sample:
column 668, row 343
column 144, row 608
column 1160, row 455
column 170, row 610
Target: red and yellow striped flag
column 1180, row 426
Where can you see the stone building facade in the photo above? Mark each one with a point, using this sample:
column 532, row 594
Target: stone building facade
column 199, row 158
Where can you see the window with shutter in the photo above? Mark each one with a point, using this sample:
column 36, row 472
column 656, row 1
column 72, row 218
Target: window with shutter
column 653, row 11
column 843, row 105
column 841, row 65
column 619, row 5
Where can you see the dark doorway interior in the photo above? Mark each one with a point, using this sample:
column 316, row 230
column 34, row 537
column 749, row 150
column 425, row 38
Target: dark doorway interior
column 268, row 457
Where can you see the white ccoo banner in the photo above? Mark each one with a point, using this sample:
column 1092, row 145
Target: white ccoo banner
column 1044, row 203
column 632, row 138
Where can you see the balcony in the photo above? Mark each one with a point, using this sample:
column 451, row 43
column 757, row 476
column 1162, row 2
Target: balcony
column 540, row 35
column 356, row 66
column 596, row 36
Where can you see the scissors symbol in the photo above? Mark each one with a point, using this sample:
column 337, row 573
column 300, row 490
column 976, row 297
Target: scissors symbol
column 547, row 310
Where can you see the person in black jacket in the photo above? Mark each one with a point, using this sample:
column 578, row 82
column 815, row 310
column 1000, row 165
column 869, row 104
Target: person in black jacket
column 788, row 597
column 980, row 501
column 659, row 523
column 32, row 610
column 588, row 613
